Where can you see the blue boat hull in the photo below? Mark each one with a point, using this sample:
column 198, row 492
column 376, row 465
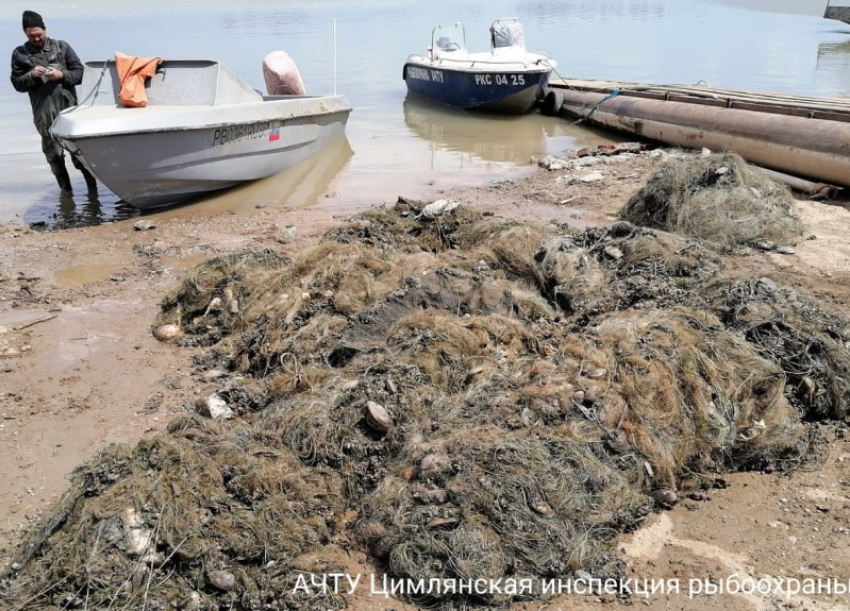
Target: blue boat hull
column 496, row 91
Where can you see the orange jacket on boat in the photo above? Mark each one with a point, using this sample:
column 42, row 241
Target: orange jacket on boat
column 132, row 73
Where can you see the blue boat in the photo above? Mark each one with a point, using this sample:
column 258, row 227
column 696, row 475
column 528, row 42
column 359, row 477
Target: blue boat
column 507, row 79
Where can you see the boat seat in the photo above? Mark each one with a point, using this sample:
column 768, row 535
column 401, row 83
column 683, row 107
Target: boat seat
column 446, row 44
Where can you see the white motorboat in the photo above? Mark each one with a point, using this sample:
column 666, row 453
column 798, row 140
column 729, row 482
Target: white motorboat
column 506, row 79
column 203, row 129
column 838, row 9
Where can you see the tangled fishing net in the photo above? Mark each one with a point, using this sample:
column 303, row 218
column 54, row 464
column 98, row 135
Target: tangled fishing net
column 462, row 397
column 810, row 343
column 718, row 199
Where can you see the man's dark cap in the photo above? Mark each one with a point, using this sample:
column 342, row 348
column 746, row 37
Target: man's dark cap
column 33, row 20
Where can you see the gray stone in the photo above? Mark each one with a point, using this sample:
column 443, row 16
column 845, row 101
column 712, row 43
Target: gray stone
column 144, row 225
column 223, row 580
column 378, row 418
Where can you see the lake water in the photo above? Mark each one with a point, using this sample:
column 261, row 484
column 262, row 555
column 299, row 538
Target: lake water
column 395, row 145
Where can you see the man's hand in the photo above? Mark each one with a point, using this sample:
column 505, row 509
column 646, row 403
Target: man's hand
column 51, row 74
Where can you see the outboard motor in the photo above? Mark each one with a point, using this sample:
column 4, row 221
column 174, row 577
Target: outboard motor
column 281, row 75
column 507, row 33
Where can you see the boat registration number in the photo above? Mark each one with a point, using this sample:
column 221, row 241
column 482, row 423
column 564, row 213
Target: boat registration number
column 499, row 79
column 264, row 130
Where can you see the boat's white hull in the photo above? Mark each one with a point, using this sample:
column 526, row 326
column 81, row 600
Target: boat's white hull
column 153, row 157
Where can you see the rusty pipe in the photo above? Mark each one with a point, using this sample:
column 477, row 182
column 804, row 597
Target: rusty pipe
column 814, row 190
column 814, row 148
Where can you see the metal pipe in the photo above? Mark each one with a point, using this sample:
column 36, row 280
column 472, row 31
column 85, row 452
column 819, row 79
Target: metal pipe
column 816, row 190
column 815, row 148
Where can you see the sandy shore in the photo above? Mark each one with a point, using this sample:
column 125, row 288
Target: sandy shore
column 80, row 369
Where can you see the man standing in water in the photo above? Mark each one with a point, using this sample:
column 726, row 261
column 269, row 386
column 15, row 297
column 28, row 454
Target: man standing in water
column 49, row 70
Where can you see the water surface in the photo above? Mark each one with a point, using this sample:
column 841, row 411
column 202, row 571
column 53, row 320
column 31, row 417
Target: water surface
column 397, row 146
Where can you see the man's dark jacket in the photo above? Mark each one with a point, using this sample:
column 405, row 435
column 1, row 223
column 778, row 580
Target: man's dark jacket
column 49, row 98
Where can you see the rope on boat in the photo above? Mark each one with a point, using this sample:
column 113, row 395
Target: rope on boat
column 610, row 96
column 95, row 89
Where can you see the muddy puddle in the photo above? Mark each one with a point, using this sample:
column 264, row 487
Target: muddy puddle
column 80, row 275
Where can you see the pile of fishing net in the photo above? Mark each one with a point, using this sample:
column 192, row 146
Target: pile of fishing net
column 717, row 198
column 459, row 396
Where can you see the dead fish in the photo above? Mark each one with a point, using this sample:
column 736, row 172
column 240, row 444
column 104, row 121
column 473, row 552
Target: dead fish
column 167, row 332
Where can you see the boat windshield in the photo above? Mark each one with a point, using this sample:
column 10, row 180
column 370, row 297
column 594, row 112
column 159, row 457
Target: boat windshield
column 507, row 34
column 448, row 39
